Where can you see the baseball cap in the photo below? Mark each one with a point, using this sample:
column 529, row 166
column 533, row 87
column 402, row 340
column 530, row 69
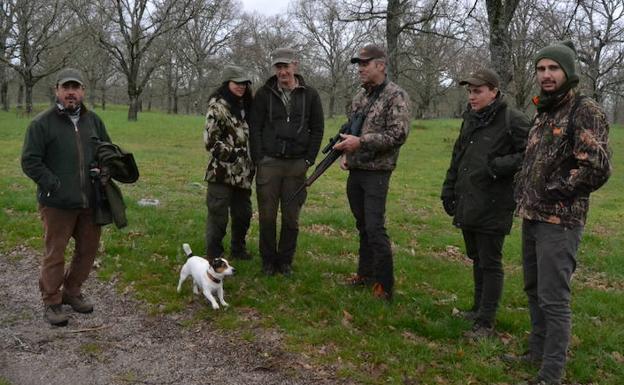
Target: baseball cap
column 283, row 55
column 236, row 74
column 481, row 77
column 69, row 75
column 369, row 52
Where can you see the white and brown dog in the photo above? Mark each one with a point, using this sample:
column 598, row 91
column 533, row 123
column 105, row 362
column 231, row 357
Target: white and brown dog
column 207, row 276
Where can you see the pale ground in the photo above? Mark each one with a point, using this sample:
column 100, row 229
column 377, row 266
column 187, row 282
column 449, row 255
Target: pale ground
column 120, row 344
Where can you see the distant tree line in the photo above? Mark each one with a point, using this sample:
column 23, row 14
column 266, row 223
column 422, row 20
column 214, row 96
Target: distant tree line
column 168, row 54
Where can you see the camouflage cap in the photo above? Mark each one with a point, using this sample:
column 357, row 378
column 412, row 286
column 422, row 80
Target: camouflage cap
column 283, row 55
column 481, row 77
column 236, row 74
column 369, row 52
column 69, row 75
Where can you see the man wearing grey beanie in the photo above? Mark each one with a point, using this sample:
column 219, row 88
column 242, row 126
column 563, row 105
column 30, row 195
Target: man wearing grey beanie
column 567, row 158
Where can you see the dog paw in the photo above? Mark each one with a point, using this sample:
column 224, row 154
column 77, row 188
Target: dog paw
column 225, row 304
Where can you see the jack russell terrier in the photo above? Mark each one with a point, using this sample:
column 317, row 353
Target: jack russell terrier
column 207, row 276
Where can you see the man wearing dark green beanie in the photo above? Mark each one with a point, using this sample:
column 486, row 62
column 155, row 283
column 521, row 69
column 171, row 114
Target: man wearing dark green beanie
column 567, row 158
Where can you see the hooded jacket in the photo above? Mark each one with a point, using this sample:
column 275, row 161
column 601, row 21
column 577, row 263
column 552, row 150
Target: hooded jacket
column 291, row 132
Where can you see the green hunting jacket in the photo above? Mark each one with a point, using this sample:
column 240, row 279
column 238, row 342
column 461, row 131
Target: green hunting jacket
column 57, row 156
column 384, row 130
column 486, row 156
column 561, row 168
column 226, row 137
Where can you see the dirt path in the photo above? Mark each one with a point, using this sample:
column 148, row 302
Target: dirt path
column 120, row 344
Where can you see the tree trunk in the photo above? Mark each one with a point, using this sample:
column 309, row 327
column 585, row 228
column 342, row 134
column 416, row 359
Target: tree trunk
column 133, row 107
column 103, row 98
column 28, row 94
column 332, row 103
column 20, row 96
column 4, row 95
column 500, row 14
column 393, row 29
column 175, row 103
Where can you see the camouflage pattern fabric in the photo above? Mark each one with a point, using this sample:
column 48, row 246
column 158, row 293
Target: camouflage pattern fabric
column 384, row 131
column 227, row 140
column 558, row 172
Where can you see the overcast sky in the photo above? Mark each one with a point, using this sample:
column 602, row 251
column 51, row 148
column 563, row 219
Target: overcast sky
column 265, row 7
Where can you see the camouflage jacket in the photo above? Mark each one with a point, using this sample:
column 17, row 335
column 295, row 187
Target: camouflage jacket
column 227, row 140
column 559, row 172
column 384, row 130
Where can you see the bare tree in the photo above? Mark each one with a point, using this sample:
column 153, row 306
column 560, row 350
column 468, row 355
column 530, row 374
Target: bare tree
column 207, row 34
column 500, row 15
column 6, row 24
column 32, row 46
column 331, row 43
column 399, row 16
column 127, row 30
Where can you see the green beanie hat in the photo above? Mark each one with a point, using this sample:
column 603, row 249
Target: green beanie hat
column 564, row 53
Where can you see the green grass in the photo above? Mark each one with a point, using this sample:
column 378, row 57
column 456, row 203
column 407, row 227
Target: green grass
column 413, row 339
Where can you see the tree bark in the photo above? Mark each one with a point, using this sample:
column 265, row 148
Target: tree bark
column 393, row 30
column 500, row 14
column 133, row 106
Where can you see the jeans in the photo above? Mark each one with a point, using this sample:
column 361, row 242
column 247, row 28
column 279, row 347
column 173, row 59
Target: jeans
column 59, row 226
column 485, row 250
column 276, row 180
column 367, row 192
column 223, row 201
column 549, row 259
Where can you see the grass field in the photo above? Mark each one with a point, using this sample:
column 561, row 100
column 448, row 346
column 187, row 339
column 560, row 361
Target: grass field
column 413, row 340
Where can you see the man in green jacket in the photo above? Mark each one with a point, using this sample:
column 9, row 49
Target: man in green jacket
column 59, row 148
column 478, row 189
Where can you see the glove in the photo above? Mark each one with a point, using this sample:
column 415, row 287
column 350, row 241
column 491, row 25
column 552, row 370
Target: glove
column 449, row 206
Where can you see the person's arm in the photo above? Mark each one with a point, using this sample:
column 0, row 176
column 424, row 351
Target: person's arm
column 508, row 164
column 33, row 153
column 214, row 131
column 317, row 127
column 256, row 122
column 448, row 186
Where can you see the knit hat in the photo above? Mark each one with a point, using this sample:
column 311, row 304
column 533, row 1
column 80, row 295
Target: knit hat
column 564, row 53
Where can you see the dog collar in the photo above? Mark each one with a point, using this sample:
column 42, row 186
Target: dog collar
column 213, row 279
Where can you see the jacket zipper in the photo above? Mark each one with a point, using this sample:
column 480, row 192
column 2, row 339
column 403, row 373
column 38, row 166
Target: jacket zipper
column 81, row 169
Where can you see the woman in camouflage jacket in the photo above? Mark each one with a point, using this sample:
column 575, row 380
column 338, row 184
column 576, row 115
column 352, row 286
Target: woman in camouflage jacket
column 230, row 170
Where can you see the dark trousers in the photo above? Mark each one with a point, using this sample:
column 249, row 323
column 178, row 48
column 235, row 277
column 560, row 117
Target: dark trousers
column 485, row 250
column 223, row 201
column 59, row 226
column 276, row 181
column 367, row 192
column 549, row 259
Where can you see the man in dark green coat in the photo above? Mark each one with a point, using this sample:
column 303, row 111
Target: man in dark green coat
column 58, row 151
column 478, row 189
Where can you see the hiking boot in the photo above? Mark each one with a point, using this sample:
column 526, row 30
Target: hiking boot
column 78, row 303
column 268, row 270
column 380, row 293
column 480, row 330
column 358, row 280
column 55, row 315
column 285, row 270
column 525, row 358
column 242, row 255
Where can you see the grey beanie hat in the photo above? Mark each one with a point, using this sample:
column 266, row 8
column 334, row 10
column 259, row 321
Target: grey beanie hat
column 564, row 53
column 236, row 74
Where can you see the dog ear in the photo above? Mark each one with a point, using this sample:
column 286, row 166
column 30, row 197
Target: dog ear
column 217, row 263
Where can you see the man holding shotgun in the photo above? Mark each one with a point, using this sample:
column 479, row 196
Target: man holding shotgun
column 370, row 159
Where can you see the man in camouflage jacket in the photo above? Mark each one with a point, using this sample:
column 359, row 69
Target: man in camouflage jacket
column 230, row 170
column 566, row 159
column 370, row 159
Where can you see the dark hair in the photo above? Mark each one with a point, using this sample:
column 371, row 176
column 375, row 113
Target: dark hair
column 224, row 92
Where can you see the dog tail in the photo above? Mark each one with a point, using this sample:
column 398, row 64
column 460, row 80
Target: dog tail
column 187, row 250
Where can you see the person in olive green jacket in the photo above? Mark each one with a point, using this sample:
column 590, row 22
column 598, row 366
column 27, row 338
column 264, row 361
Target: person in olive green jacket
column 478, row 189
column 58, row 151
